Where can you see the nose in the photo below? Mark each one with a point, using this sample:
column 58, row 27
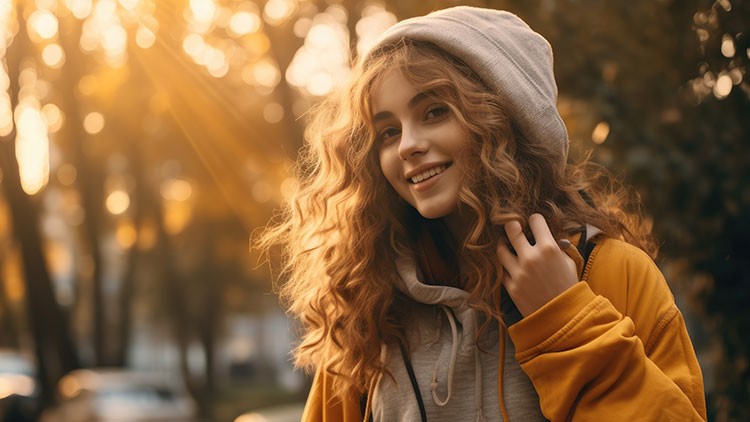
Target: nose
column 412, row 143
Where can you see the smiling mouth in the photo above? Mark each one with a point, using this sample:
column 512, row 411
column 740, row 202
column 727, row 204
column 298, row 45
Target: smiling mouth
column 421, row 177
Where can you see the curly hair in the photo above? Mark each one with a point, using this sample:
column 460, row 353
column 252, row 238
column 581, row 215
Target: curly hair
column 345, row 226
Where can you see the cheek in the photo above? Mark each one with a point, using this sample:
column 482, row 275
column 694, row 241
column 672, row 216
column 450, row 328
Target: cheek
column 389, row 167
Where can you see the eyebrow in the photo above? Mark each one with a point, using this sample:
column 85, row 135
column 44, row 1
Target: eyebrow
column 411, row 104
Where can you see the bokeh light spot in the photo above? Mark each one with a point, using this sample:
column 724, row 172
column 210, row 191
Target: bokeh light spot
column 43, row 23
column 117, row 202
column 53, row 56
column 93, row 123
column 273, row 112
column 600, row 133
column 244, row 22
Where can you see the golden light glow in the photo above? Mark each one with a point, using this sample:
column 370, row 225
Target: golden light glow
column 32, row 148
column 129, row 4
column 273, row 112
column 177, row 215
column 81, row 9
column 43, row 23
column 600, row 133
column 159, row 103
column 262, row 191
column 69, row 387
column 176, row 190
column 257, row 43
column 203, row 10
column 59, row 258
column 216, row 63
column 126, row 234
column 103, row 31
column 277, row 11
column 22, row 385
column 288, row 187
column 193, row 44
column 46, row 4
column 375, row 20
column 265, row 73
column 723, row 86
column 93, row 123
column 15, row 289
column 320, row 84
column 87, row 85
column 114, row 39
column 147, row 236
column 736, row 75
column 323, row 61
column 117, row 202
column 53, row 116
column 6, row 115
column 244, row 22
column 53, row 56
column 727, row 46
column 302, row 26
column 144, row 37
column 4, row 79
column 67, row 174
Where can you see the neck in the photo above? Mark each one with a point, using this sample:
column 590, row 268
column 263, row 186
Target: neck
column 458, row 224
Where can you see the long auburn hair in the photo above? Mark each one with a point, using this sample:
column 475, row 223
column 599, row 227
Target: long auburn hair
column 345, row 226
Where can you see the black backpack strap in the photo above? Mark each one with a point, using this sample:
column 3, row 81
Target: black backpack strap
column 414, row 386
column 585, row 247
column 363, row 406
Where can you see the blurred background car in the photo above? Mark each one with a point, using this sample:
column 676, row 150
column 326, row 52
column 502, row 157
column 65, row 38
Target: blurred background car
column 282, row 413
column 99, row 395
column 19, row 393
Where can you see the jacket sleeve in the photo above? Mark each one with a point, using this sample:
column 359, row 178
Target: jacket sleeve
column 322, row 406
column 615, row 348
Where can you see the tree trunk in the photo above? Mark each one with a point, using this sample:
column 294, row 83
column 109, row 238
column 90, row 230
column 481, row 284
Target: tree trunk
column 89, row 182
column 9, row 334
column 54, row 348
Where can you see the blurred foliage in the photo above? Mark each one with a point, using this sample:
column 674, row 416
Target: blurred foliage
column 659, row 75
column 171, row 127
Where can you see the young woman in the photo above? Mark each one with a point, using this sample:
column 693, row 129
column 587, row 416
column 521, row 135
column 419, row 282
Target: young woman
column 448, row 264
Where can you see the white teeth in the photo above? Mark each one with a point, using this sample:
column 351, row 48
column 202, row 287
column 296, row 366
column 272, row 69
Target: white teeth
column 428, row 173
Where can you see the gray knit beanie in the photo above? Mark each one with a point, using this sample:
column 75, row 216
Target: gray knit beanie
column 509, row 57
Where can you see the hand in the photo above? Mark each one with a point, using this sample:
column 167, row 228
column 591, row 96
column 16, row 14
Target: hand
column 537, row 273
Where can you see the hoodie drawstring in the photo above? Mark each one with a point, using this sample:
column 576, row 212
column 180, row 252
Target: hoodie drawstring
column 374, row 383
column 451, row 366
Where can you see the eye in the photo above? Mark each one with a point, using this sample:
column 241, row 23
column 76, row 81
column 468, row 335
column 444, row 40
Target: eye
column 436, row 111
column 388, row 133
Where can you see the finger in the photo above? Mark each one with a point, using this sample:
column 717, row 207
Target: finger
column 540, row 229
column 508, row 260
column 516, row 236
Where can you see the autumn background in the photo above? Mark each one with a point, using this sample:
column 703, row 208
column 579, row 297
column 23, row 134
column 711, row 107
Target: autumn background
column 143, row 141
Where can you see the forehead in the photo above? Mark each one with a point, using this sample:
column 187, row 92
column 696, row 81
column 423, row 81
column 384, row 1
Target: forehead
column 391, row 92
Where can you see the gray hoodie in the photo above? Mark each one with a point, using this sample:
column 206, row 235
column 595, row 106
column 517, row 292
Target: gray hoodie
column 458, row 381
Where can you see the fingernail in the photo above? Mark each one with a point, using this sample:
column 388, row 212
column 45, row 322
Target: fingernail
column 563, row 244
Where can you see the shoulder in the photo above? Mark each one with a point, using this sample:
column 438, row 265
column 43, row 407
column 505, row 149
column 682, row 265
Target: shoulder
column 629, row 278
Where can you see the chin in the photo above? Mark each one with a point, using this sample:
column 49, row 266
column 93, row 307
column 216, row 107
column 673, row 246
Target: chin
column 436, row 211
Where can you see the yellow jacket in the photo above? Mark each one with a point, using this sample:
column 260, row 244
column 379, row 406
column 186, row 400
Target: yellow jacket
column 614, row 348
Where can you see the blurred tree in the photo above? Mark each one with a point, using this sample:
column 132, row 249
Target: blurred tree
column 200, row 108
column 53, row 345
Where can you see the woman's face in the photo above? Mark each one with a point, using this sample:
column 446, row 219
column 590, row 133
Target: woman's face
column 421, row 145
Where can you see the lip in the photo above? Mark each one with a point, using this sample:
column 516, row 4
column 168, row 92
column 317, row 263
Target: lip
column 424, row 167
